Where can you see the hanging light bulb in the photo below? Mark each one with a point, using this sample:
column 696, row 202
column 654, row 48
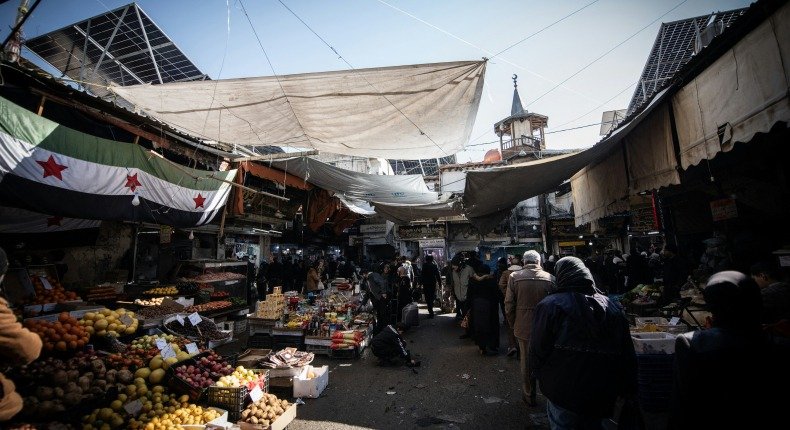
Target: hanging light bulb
column 191, row 235
column 136, row 200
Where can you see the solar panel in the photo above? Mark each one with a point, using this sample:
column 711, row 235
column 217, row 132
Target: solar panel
column 674, row 46
column 425, row 167
column 122, row 47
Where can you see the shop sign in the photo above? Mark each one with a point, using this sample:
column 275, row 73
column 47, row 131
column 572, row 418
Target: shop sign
column 373, row 229
column 432, row 243
column 380, row 240
column 416, row 232
column 724, row 209
column 165, row 234
column 573, row 243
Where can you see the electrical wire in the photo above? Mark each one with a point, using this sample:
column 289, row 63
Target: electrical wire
column 423, row 133
column 274, row 72
column 545, row 28
column 606, row 53
column 595, row 109
column 491, row 53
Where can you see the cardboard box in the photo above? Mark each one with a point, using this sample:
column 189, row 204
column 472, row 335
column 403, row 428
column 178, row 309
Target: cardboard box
column 311, row 387
column 279, row 424
column 654, row 343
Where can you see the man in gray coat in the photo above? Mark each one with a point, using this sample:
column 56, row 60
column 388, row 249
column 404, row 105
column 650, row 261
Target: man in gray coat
column 525, row 289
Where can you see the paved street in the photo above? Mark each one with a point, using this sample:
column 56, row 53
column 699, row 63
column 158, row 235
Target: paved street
column 455, row 387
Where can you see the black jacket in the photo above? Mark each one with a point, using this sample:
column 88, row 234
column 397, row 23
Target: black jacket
column 430, row 276
column 581, row 349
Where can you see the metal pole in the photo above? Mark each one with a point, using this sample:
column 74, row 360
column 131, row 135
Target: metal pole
column 22, row 15
column 134, row 252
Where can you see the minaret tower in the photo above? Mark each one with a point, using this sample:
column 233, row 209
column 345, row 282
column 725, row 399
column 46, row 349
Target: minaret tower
column 522, row 133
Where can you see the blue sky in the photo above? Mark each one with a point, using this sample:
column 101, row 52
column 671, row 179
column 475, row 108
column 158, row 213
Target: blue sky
column 373, row 33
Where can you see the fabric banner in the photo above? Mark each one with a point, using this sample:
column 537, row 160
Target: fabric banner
column 15, row 220
column 650, row 153
column 600, row 190
column 49, row 168
column 404, row 112
column 742, row 93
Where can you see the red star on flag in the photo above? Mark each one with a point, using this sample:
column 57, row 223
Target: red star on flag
column 132, row 182
column 54, row 220
column 199, row 200
column 52, row 168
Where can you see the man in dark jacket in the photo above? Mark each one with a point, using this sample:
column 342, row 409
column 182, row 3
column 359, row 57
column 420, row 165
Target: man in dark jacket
column 430, row 278
column 733, row 374
column 581, row 350
column 390, row 347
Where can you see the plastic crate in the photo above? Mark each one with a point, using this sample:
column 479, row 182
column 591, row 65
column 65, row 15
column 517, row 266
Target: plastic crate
column 318, row 349
column 233, row 399
column 654, row 378
column 348, row 353
column 240, row 326
column 259, row 326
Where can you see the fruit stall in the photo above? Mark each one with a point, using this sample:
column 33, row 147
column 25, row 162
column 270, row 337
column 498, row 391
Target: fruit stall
column 112, row 361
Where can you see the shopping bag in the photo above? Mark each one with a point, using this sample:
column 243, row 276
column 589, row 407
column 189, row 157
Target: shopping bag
column 320, row 285
column 465, row 321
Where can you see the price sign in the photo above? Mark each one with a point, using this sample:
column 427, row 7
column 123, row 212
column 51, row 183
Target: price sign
column 48, row 307
column 236, row 281
column 195, row 319
column 674, row 321
column 133, row 408
column 45, row 282
column 180, row 319
column 161, row 344
column 32, row 309
column 167, row 352
column 192, row 348
column 256, row 394
column 126, row 320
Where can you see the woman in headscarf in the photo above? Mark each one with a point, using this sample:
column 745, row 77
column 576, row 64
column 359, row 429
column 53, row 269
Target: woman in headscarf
column 484, row 318
column 581, row 350
column 728, row 376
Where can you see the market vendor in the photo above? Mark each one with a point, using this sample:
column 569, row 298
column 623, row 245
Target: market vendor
column 18, row 346
column 390, row 347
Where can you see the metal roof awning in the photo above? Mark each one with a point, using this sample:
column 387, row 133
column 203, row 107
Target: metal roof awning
column 121, row 47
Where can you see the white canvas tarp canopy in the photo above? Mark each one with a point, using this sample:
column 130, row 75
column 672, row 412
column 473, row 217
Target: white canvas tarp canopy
column 744, row 92
column 405, row 213
column 403, row 112
column 357, row 188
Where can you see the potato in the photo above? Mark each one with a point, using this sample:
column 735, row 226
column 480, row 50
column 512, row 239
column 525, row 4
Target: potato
column 254, row 420
column 266, row 423
column 245, row 414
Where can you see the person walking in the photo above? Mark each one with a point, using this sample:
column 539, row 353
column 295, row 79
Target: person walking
column 18, row 346
column 460, row 273
column 525, row 289
column 430, row 278
column 505, row 268
column 380, row 294
column 581, row 351
column 483, row 295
